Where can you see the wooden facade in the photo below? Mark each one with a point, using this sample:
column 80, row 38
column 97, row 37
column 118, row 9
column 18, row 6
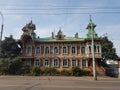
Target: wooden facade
column 58, row 51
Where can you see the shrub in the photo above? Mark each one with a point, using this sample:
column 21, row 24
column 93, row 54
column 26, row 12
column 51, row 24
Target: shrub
column 35, row 71
column 75, row 71
column 50, row 71
column 65, row 72
column 85, row 72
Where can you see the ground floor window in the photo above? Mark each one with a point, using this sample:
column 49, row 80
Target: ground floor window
column 37, row 62
column 28, row 62
column 65, row 62
column 56, row 63
column 47, row 63
column 84, row 63
column 74, row 62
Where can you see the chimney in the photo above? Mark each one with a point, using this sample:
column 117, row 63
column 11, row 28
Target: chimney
column 53, row 35
column 76, row 35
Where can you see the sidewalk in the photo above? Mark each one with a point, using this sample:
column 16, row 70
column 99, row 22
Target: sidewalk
column 60, row 78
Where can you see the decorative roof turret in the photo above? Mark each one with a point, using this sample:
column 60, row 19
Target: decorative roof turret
column 60, row 35
column 28, row 30
column 90, row 27
column 29, row 26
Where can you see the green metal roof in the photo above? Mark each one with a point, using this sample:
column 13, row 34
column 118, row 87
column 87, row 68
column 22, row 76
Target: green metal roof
column 50, row 39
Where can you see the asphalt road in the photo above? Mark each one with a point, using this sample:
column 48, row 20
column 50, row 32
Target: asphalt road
column 58, row 83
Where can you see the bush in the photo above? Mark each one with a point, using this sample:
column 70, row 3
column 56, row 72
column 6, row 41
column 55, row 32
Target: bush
column 50, row 71
column 35, row 71
column 65, row 72
column 75, row 71
column 85, row 72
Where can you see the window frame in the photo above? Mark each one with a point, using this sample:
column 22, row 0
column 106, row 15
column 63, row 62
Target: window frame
column 46, row 64
column 29, row 50
column 37, row 63
column 37, row 51
column 64, row 51
column 55, row 50
column 54, row 64
column 63, row 63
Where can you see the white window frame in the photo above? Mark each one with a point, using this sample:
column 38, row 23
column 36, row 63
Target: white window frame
column 45, row 63
column 86, row 63
column 47, row 51
column 37, row 62
column 84, row 50
column 55, row 51
column 29, row 52
column 64, row 62
column 66, row 49
column 36, row 50
column 54, row 64
column 72, row 62
column 75, row 49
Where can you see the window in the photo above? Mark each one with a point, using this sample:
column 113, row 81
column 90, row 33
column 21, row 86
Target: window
column 37, row 62
column 47, row 51
column 74, row 62
column 64, row 50
column 29, row 50
column 56, row 62
column 90, row 51
column 65, row 63
column 56, row 50
column 73, row 50
column 84, row 63
column 37, row 50
column 98, row 48
column 47, row 63
column 28, row 62
column 82, row 50
column 95, row 50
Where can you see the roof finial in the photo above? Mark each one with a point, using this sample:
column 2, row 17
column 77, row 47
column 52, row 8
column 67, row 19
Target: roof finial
column 90, row 17
column 60, row 28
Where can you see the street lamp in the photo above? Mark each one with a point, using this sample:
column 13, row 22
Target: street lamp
column 93, row 53
column 2, row 18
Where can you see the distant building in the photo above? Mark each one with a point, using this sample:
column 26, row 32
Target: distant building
column 119, row 67
column 59, row 51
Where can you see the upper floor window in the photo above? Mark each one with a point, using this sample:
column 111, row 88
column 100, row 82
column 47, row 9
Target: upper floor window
column 56, row 50
column 95, row 49
column 98, row 48
column 37, row 51
column 29, row 50
column 82, row 50
column 73, row 50
column 90, row 51
column 47, row 50
column 64, row 49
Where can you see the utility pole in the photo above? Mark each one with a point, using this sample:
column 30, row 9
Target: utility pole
column 93, row 53
column 2, row 18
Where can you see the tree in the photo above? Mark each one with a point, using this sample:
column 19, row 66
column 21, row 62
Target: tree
column 108, row 52
column 9, row 48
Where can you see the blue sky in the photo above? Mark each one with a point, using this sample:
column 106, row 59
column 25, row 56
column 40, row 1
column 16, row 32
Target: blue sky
column 71, row 15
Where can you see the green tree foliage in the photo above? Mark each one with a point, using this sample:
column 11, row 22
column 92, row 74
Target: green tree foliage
column 9, row 48
column 108, row 52
column 10, row 66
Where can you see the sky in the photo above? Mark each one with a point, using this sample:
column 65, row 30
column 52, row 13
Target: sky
column 70, row 15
